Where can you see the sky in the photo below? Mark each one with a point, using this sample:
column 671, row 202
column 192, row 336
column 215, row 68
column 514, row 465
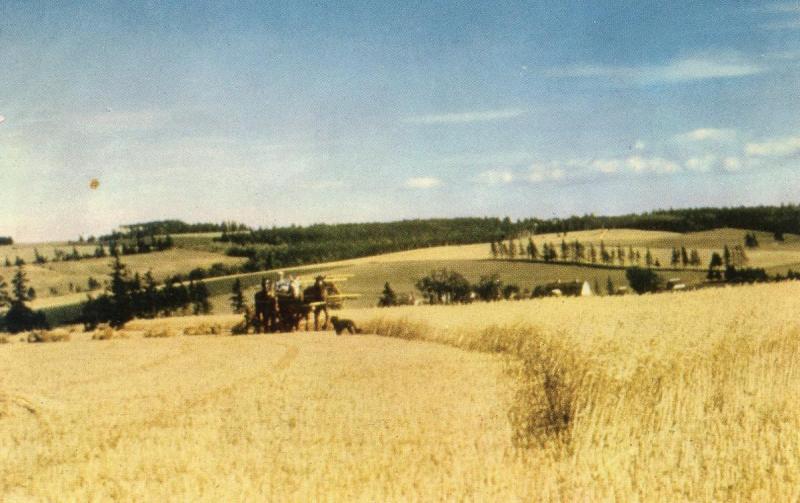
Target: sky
column 277, row 113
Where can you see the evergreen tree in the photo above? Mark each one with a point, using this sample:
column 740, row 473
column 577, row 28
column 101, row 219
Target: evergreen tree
column 151, row 296
column 751, row 240
column 726, row 256
column 5, row 298
column 493, row 249
column 684, row 256
column 676, row 258
column 388, row 296
column 648, row 258
column 620, row 255
column 237, row 297
column 19, row 286
column 592, row 254
column 198, row 296
column 714, row 265
column 39, row 258
column 604, row 255
column 20, row 317
column 512, row 250
column 121, row 302
column 694, row 257
column 564, row 251
column 610, row 286
column 19, row 261
column 597, row 286
column 8, row 262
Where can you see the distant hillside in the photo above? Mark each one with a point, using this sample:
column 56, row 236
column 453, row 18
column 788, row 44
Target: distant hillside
column 297, row 245
column 164, row 227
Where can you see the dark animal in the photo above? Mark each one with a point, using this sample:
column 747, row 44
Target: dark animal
column 318, row 292
column 340, row 325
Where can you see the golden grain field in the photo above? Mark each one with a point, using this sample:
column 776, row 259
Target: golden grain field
column 669, row 397
column 257, row 418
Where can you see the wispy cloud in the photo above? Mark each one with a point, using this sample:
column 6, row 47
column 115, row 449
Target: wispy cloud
column 496, row 177
column 423, row 182
column 702, row 163
column 778, row 147
column 465, row 117
column 685, row 69
column 791, row 22
column 2, row 119
column 639, row 164
column 111, row 121
column 792, row 7
column 707, row 134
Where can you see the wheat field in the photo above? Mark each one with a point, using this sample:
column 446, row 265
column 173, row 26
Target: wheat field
column 309, row 417
column 671, row 397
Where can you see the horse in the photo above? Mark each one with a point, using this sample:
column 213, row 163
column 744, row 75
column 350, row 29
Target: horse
column 318, row 293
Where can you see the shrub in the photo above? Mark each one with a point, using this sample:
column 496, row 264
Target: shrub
column 48, row 336
column 157, row 333
column 203, row 329
column 643, row 280
column 104, row 332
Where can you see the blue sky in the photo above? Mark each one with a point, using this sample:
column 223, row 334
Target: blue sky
column 274, row 113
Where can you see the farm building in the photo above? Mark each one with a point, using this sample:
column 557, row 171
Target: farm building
column 568, row 289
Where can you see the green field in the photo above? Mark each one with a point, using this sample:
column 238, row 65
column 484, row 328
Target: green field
column 367, row 275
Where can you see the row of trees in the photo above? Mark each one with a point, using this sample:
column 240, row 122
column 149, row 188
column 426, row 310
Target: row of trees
column 6, row 240
column 129, row 297
column 166, row 227
column 113, row 249
column 575, row 251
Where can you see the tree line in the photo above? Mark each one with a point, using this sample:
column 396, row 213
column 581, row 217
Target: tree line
column 173, row 226
column 113, row 248
column 574, row 251
column 136, row 297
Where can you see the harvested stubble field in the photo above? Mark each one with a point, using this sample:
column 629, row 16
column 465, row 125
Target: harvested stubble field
column 254, row 418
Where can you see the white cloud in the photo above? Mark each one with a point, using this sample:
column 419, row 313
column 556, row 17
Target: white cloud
column 732, row 164
column 639, row 164
column 701, row 163
column 685, row 69
column 2, row 119
column 465, row 117
column 496, row 177
column 780, row 147
column 423, row 182
column 707, row 134
column 607, row 166
column 549, row 172
column 639, row 145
